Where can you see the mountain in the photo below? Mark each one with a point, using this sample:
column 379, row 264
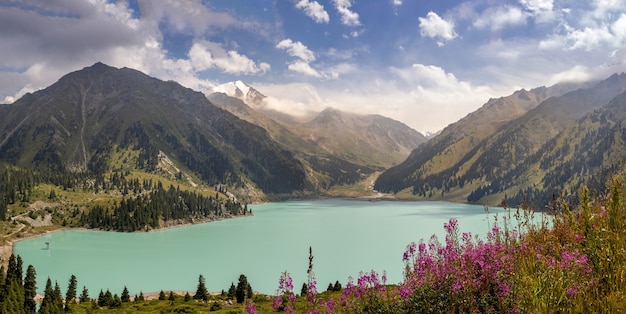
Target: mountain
column 80, row 122
column 242, row 91
column 372, row 141
column 469, row 159
column 585, row 154
column 366, row 139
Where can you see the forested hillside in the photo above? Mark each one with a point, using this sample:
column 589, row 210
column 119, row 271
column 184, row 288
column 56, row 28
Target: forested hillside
column 527, row 159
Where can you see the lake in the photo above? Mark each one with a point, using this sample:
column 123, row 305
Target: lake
column 347, row 236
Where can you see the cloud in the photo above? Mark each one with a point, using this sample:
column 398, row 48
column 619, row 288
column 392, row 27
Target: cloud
column 185, row 16
column 206, row 55
column 541, row 10
column 537, row 5
column 396, row 3
column 44, row 40
column 581, row 73
column 348, row 17
column 590, row 34
column 304, row 68
column 314, row 10
column 302, row 53
column 425, row 97
column 434, row 26
column 500, row 17
column 296, row 49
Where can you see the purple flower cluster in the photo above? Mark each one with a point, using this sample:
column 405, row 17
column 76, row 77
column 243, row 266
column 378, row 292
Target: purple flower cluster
column 466, row 274
column 369, row 291
column 285, row 298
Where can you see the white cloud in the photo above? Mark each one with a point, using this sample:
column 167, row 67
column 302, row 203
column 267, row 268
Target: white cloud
column 589, row 38
column 314, row 10
column 348, row 17
column 302, row 53
column 205, row 55
column 500, row 17
column 426, row 98
column 44, row 40
column 296, row 49
column 396, row 3
column 582, row 73
column 541, row 10
column 293, row 98
column 537, row 5
column 434, row 26
column 304, row 68
column 604, row 7
column 608, row 32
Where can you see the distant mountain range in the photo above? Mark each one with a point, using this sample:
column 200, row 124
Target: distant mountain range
column 100, row 113
column 521, row 148
column 369, row 140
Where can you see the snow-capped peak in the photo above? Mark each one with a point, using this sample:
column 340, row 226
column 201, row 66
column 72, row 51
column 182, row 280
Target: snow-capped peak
column 242, row 91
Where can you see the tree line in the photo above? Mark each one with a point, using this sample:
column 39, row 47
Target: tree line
column 18, row 291
column 144, row 205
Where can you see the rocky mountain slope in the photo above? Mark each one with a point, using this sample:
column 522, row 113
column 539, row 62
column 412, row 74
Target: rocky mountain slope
column 77, row 123
column 473, row 158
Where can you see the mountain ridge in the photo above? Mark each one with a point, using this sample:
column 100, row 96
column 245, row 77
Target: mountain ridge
column 369, row 140
column 77, row 121
column 470, row 154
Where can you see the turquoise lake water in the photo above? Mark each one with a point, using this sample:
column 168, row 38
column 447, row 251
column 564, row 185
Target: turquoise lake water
column 347, row 236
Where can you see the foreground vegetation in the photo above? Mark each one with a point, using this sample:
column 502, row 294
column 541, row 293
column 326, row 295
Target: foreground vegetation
column 573, row 262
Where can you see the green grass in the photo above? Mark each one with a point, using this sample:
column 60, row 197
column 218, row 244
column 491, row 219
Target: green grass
column 262, row 302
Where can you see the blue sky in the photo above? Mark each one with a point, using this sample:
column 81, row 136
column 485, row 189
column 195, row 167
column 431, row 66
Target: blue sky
column 425, row 63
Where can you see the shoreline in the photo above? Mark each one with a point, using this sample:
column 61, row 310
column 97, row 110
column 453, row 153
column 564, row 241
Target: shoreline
column 8, row 247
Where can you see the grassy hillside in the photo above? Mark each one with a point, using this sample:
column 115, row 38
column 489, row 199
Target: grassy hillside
column 490, row 162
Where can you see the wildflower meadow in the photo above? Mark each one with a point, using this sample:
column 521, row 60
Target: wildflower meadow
column 571, row 260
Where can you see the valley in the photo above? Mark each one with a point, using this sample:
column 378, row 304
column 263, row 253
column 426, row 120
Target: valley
column 134, row 154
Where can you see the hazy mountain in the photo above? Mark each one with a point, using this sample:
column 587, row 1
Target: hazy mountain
column 367, row 139
column 79, row 122
column 373, row 141
column 496, row 141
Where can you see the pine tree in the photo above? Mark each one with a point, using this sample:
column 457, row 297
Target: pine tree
column 51, row 303
column 201, row 291
column 30, row 290
column 14, row 300
column 116, row 302
column 242, row 289
column 125, row 296
column 304, row 290
column 101, row 298
column 337, row 286
column 18, row 270
column 187, row 296
column 232, row 291
column 171, row 297
column 108, row 298
column 161, row 295
column 58, row 297
column 84, row 296
column 70, row 295
column 141, row 297
column 11, row 270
